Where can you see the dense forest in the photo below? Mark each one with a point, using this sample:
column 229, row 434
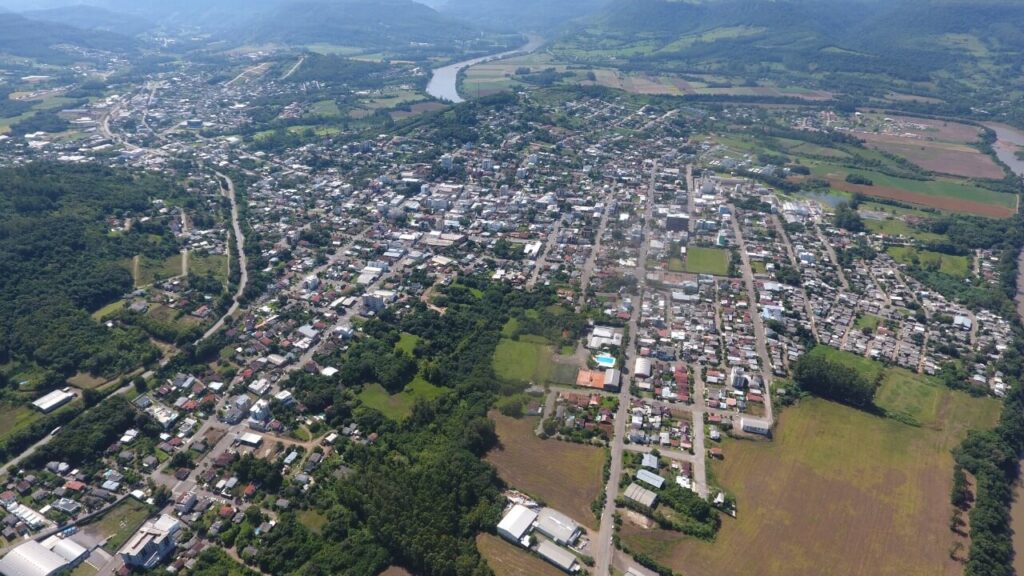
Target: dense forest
column 816, row 373
column 59, row 262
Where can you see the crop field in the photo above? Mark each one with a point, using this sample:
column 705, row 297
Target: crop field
column 707, row 261
column 525, row 360
column 940, row 157
column 506, row 559
column 957, row 266
column 565, row 475
column 398, row 406
column 838, row 492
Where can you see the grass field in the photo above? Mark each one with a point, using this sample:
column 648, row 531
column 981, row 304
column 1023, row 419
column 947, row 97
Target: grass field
column 867, row 321
column 398, row 406
column 507, row 559
column 898, row 227
column 151, row 271
column 120, row 523
column 109, row 309
column 566, row 476
column 707, row 261
column 867, row 368
column 214, row 265
column 523, row 360
column 956, row 266
column 325, row 109
column 15, row 418
column 838, row 492
column 912, row 397
column 312, row 520
column 407, row 343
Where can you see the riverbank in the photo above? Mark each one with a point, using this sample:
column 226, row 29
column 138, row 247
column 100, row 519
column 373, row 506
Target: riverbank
column 444, row 82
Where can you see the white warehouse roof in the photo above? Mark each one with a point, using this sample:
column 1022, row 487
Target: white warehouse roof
column 31, row 559
column 516, row 523
column 557, row 526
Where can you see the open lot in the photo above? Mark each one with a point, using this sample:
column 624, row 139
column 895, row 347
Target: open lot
column 707, row 261
column 398, row 406
column 956, row 266
column 14, row 418
column 839, row 492
column 508, row 560
column 566, row 476
column 119, row 523
column 525, row 360
column 893, row 227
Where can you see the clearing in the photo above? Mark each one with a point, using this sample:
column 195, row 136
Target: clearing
column 567, row 477
column 839, row 492
column 525, row 360
column 399, row 406
column 707, row 261
column 956, row 266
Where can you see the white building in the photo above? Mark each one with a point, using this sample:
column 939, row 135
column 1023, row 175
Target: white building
column 53, row 400
column 557, row 526
column 152, row 543
column 516, row 524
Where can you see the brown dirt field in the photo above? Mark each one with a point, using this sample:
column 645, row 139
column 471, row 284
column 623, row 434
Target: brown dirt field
column 396, row 571
column 941, row 157
column 942, row 130
column 417, row 109
column 566, row 476
column 507, row 560
column 839, row 492
column 942, row 203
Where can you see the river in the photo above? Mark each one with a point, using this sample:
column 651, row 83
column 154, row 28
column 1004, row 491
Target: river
column 444, row 83
column 1009, row 140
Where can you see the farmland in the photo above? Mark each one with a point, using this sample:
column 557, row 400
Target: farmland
column 508, row 560
column 871, row 493
column 567, row 478
column 707, row 261
column 940, row 157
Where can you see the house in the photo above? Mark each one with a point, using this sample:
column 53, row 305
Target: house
column 154, row 541
column 650, row 461
column 557, row 526
column 516, row 524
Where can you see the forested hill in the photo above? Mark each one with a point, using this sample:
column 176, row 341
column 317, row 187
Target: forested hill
column 27, row 38
column 520, row 15
column 360, row 23
column 59, row 261
column 910, row 40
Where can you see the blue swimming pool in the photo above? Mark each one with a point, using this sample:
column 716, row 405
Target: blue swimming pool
column 605, row 360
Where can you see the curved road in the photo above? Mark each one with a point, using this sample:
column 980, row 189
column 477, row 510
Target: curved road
column 228, row 187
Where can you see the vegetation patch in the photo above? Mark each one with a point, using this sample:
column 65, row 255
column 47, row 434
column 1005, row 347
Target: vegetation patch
column 956, row 266
column 701, row 260
column 398, row 406
column 120, row 523
column 524, row 360
column 507, row 559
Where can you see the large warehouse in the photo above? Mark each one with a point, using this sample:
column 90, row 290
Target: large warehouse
column 517, row 523
column 35, row 559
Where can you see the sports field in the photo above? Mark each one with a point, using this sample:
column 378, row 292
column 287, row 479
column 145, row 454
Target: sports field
column 707, row 261
column 565, row 475
column 838, row 492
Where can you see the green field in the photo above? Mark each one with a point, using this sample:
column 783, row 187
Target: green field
column 312, row 520
column 956, row 266
column 214, row 265
column 108, row 310
column 120, row 523
column 870, row 493
column 407, row 343
column 867, row 321
column 899, row 227
column 325, row 109
column 911, row 397
column 152, row 271
column 866, row 367
column 399, row 406
column 524, row 360
column 707, row 261
column 14, row 418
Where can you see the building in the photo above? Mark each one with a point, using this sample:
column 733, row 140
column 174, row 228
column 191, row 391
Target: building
column 640, row 495
column 557, row 526
column 648, row 477
column 612, row 380
column 251, row 439
column 517, row 523
column 32, row 559
column 152, row 543
column 678, row 222
column 558, row 556
column 642, row 368
column 53, row 400
column 756, row 426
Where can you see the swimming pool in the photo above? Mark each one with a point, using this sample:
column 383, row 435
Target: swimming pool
column 605, row 360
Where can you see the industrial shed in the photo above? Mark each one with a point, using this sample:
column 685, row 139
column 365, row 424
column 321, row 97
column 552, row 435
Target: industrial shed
column 516, row 524
column 558, row 556
column 557, row 526
column 640, row 495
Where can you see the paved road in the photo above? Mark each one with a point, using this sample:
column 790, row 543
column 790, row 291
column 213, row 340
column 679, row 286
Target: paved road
column 228, row 187
column 551, row 241
column 832, row 256
column 294, row 68
column 755, row 316
column 781, row 230
column 604, row 551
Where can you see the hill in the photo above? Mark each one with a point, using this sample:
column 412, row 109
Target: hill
column 27, row 38
column 362, row 23
column 520, row 15
column 92, row 18
column 861, row 46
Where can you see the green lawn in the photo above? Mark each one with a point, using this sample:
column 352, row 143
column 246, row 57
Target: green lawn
column 511, row 328
column 868, row 321
column 707, row 261
column 407, row 343
column 758, row 267
column 956, row 266
column 152, row 271
column 867, row 368
column 911, row 397
column 216, row 266
column 120, row 523
column 14, row 418
column 525, row 360
column 108, row 310
column 899, row 227
column 398, row 406
column 312, row 520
